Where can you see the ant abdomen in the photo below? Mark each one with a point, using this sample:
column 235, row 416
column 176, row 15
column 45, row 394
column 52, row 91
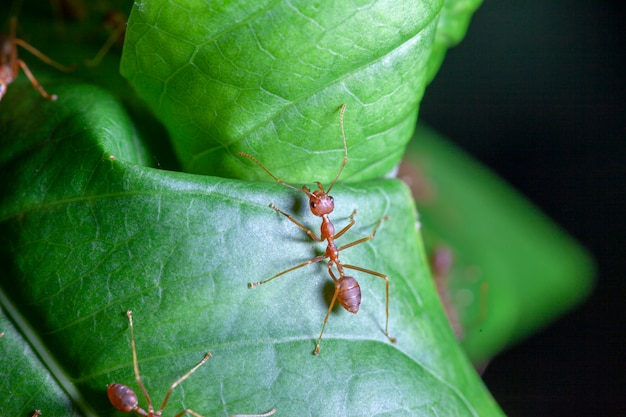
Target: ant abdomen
column 122, row 397
column 349, row 293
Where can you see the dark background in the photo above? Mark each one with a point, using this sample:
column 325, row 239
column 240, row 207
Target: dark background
column 537, row 92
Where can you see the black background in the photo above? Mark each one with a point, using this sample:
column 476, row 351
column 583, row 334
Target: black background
column 537, row 92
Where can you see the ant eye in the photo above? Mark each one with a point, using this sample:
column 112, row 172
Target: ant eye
column 331, row 198
column 312, row 204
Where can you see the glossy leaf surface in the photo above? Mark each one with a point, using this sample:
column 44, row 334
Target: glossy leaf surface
column 269, row 77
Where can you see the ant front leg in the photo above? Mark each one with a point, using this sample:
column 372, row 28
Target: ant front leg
column 297, row 223
column 366, row 238
column 347, row 227
column 303, row 264
column 35, row 83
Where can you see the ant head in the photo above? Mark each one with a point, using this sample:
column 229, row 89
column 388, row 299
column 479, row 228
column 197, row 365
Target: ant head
column 320, row 202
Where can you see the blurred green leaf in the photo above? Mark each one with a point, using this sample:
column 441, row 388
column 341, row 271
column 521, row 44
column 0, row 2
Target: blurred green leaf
column 513, row 270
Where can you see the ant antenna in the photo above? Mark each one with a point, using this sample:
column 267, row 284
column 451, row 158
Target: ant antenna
column 253, row 159
column 345, row 148
column 305, row 189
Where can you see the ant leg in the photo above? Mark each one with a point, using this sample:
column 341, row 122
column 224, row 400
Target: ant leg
column 115, row 35
column 42, row 56
column 177, row 382
column 366, row 238
column 378, row 274
column 345, row 149
column 34, row 82
column 330, row 308
column 129, row 314
column 190, row 411
column 309, row 262
column 269, row 413
column 297, row 223
column 347, row 227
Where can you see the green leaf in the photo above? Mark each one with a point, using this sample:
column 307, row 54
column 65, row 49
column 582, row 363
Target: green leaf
column 26, row 383
column 88, row 232
column 453, row 22
column 269, row 77
column 513, row 270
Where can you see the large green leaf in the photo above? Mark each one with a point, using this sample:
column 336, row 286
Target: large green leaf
column 88, row 231
column 269, row 77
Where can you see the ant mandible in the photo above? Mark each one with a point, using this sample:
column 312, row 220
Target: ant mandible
column 10, row 63
column 124, row 398
column 347, row 290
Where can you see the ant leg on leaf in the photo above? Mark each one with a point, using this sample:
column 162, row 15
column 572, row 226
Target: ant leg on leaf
column 10, row 63
column 124, row 398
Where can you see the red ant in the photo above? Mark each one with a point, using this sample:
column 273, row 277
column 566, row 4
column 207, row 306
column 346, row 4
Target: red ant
column 115, row 22
column 124, row 398
column 10, row 63
column 347, row 290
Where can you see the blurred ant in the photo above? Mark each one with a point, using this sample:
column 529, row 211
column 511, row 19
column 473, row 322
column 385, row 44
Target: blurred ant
column 321, row 204
column 124, row 398
column 115, row 22
column 10, row 64
column 441, row 264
